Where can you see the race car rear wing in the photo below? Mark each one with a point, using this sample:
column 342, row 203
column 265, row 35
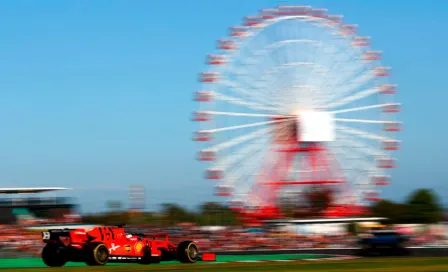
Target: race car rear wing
column 54, row 235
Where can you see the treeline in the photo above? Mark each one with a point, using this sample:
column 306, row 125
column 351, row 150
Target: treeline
column 422, row 206
column 209, row 213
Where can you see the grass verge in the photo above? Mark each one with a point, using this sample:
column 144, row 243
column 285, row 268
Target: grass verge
column 366, row 265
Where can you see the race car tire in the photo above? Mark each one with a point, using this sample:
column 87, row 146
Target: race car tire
column 187, row 252
column 53, row 255
column 401, row 250
column 97, row 255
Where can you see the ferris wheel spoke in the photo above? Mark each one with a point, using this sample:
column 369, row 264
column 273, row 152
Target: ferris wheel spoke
column 352, row 64
column 243, row 126
column 362, row 147
column 330, row 81
column 278, row 44
column 241, row 154
column 345, row 53
column 299, row 92
column 250, row 95
column 268, row 160
column 237, row 140
column 345, row 73
column 240, row 102
column 333, row 82
column 365, row 108
column 231, row 67
column 354, row 97
column 235, row 175
column 246, row 114
column 238, row 171
column 362, row 133
column 356, row 162
column 317, row 56
column 258, row 96
column 353, row 85
column 363, row 121
column 267, row 50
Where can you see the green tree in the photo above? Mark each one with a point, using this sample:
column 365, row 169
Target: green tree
column 212, row 208
column 110, row 218
column 352, row 228
column 174, row 213
column 423, row 207
column 212, row 213
column 394, row 212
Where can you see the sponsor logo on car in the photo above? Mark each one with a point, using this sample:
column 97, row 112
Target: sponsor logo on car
column 127, row 248
column 113, row 247
column 138, row 247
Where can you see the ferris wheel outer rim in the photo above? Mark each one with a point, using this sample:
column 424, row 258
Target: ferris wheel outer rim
column 256, row 30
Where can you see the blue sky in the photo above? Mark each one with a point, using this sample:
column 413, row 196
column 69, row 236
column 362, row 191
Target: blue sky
column 97, row 94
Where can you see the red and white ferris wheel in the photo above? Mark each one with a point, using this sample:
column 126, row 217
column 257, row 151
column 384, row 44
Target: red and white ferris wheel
column 295, row 98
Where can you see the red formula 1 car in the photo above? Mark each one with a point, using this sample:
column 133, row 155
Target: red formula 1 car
column 112, row 244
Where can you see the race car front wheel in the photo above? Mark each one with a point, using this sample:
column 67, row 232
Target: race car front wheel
column 187, row 252
column 53, row 255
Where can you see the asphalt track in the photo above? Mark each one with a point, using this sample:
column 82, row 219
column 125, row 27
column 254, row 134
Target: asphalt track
column 413, row 251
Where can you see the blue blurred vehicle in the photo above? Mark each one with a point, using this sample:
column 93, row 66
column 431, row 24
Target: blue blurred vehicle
column 383, row 242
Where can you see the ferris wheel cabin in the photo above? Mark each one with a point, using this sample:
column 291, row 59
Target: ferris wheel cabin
column 216, row 60
column 392, row 126
column 391, row 145
column 393, row 107
column 335, row 19
column 200, row 116
column 319, row 12
column 381, row 180
column 202, row 136
column 253, row 21
column 207, row 155
column 238, row 31
column 268, row 13
column 214, row 174
column 223, row 190
column 388, row 89
column 209, row 77
column 203, row 96
column 227, row 44
column 361, row 41
column 371, row 55
column 381, row 71
column 348, row 29
column 293, row 10
column 386, row 163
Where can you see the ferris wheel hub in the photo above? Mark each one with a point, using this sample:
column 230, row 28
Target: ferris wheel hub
column 315, row 125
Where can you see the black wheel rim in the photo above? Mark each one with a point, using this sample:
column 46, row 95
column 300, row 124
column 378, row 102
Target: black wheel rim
column 102, row 254
column 193, row 252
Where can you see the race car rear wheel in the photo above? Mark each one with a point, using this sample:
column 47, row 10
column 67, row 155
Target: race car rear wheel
column 187, row 252
column 53, row 255
column 98, row 254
